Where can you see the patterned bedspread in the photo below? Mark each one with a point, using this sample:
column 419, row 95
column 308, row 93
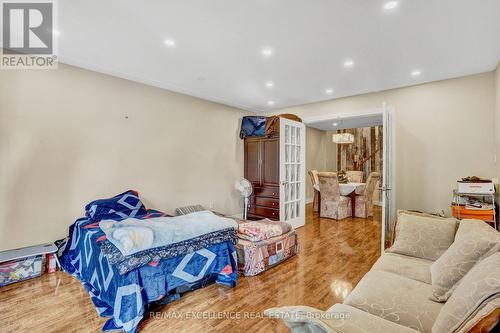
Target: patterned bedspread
column 125, row 264
column 125, row 297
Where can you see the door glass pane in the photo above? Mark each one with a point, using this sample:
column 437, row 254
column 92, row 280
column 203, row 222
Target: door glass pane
column 287, row 211
column 293, row 135
column 292, row 210
column 297, row 152
column 287, row 195
column 297, row 173
column 287, row 171
column 298, row 135
column 297, row 191
column 297, row 208
column 292, row 194
column 293, row 153
column 292, row 177
column 287, row 134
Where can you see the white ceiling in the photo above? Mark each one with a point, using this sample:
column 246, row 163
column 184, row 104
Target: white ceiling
column 347, row 122
column 218, row 57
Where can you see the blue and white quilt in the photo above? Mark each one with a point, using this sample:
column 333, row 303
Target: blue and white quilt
column 125, row 297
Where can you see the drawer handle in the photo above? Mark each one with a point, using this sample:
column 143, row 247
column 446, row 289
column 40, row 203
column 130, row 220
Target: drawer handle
column 274, row 193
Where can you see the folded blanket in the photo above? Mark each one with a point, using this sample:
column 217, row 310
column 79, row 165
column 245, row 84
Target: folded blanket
column 132, row 235
column 125, row 264
column 255, row 231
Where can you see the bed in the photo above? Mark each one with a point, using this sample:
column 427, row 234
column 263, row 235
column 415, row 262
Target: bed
column 125, row 294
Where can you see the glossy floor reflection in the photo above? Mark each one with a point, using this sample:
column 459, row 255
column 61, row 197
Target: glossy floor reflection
column 333, row 257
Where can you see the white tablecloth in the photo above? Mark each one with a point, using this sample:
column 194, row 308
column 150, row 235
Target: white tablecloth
column 346, row 189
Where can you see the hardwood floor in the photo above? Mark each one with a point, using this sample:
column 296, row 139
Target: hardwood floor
column 333, row 257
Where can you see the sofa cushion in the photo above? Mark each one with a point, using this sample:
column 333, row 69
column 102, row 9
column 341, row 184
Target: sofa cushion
column 340, row 318
column 475, row 297
column 396, row 298
column 410, row 267
column 422, row 235
column 474, row 240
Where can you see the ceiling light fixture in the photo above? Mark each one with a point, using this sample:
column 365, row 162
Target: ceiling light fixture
column 267, row 52
column 169, row 42
column 329, row 91
column 269, row 84
column 335, row 124
column 348, row 63
column 343, row 138
column 271, row 103
column 56, row 33
column 416, row 73
column 391, row 5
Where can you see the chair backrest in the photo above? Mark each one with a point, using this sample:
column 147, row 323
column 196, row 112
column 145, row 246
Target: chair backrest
column 355, row 176
column 371, row 184
column 314, row 176
column 329, row 185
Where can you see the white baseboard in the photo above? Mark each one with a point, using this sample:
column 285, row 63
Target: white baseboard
column 309, row 200
column 237, row 216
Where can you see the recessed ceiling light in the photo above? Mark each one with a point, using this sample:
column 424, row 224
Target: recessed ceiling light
column 329, row 91
column 169, row 42
column 391, row 5
column 335, row 124
column 269, row 84
column 416, row 73
column 348, row 63
column 270, row 103
column 267, row 52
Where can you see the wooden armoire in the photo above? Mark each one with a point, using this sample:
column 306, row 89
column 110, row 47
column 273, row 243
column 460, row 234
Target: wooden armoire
column 262, row 169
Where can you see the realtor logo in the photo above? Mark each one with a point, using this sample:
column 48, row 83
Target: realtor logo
column 28, row 35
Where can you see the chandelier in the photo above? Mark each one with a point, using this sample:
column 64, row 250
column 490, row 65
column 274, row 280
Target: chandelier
column 343, row 138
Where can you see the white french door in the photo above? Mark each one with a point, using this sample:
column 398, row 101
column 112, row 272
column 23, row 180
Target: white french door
column 387, row 193
column 292, row 172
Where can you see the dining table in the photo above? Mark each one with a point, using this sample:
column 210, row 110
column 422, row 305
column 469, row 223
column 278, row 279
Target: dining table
column 347, row 190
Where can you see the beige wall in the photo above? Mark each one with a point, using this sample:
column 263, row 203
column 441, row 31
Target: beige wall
column 497, row 120
column 65, row 139
column 330, row 152
column 321, row 154
column 315, row 155
column 443, row 130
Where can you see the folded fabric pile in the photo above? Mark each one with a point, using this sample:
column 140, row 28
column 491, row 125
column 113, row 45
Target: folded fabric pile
column 264, row 244
column 255, row 231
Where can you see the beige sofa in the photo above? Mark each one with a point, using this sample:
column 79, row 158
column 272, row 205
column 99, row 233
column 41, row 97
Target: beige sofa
column 434, row 278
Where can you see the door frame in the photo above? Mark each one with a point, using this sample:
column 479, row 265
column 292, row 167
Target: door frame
column 384, row 111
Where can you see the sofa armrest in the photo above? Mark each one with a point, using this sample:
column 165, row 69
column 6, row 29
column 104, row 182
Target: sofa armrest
column 340, row 318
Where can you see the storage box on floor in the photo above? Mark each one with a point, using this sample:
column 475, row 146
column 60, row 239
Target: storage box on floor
column 257, row 257
column 20, row 269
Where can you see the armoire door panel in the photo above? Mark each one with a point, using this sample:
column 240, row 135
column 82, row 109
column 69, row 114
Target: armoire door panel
column 252, row 161
column 270, row 162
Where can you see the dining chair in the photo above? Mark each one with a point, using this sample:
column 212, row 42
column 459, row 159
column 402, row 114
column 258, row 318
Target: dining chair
column 364, row 202
column 354, row 176
column 332, row 204
column 314, row 181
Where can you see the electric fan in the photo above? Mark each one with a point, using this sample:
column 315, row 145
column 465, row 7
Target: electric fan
column 245, row 188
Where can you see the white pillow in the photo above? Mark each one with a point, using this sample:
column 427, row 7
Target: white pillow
column 474, row 240
column 422, row 235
